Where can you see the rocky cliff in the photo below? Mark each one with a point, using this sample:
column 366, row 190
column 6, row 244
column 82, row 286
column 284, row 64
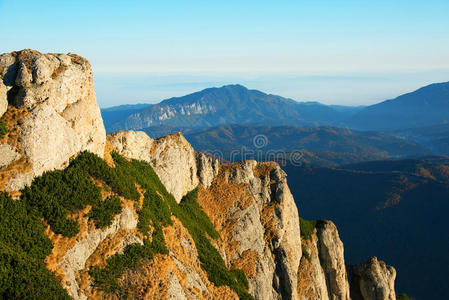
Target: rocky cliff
column 153, row 219
column 323, row 275
column 372, row 280
column 48, row 104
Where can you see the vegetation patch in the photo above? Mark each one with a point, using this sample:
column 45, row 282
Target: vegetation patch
column 305, row 253
column 23, row 248
column 106, row 279
column 103, row 213
column 57, row 193
column 402, row 297
column 3, row 129
column 308, row 227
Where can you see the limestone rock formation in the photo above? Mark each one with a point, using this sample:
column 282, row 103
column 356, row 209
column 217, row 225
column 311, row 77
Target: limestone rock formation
column 207, row 168
column 172, row 158
column 322, row 273
column 311, row 276
column 49, row 105
column 251, row 206
column 332, row 260
column 372, row 280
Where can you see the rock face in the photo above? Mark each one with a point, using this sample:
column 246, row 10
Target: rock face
column 207, row 168
column 372, row 280
column 172, row 158
column 332, row 260
column 322, row 273
column 49, row 105
column 251, row 206
column 311, row 275
column 75, row 259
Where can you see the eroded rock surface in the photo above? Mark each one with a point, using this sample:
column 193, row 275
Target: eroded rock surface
column 172, row 158
column 207, row 168
column 322, row 273
column 311, row 276
column 331, row 255
column 372, row 280
column 251, row 206
column 49, row 105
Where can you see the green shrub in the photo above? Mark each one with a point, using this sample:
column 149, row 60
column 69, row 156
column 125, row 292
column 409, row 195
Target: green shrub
column 103, row 213
column 154, row 211
column 56, row 193
column 3, row 129
column 106, row 279
column 305, row 253
column 23, row 248
column 402, row 297
column 308, row 227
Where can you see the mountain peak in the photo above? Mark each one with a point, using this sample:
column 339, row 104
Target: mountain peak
column 228, row 104
column 234, row 86
column 426, row 106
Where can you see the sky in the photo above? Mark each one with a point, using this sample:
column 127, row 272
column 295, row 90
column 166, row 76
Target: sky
column 336, row 52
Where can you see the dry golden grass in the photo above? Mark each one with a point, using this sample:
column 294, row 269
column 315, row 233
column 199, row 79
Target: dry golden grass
column 247, row 263
column 12, row 118
column 108, row 149
column 305, row 278
column 76, row 59
column 58, row 71
column 152, row 278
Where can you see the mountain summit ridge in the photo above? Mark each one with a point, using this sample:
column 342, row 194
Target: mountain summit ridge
column 229, row 104
column 426, row 106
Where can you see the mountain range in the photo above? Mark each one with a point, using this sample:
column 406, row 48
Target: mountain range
column 420, row 117
column 235, row 104
column 390, row 208
column 230, row 104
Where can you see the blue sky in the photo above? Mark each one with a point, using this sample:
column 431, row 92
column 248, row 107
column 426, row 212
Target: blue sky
column 348, row 52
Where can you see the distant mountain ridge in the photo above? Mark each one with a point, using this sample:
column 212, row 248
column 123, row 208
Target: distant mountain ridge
column 327, row 146
column 426, row 106
column 235, row 104
column 231, row 104
column 115, row 114
column 421, row 116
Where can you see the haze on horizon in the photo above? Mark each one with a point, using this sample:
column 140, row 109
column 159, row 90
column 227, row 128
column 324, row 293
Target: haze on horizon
column 335, row 52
